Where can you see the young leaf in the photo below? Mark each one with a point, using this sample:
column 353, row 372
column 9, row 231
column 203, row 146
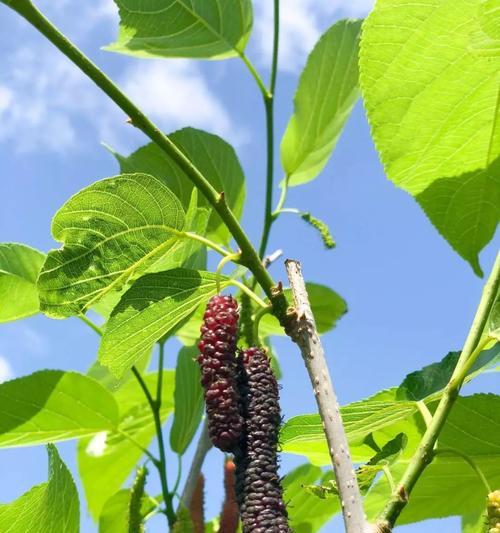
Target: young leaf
column 382, row 416
column 188, row 400
column 52, row 406
column 150, row 309
column 106, row 460
column 306, row 512
column 327, row 92
column 434, row 378
column 449, row 486
column 203, row 29
column 425, row 90
column 215, row 158
column 19, row 268
column 112, row 231
column 494, row 320
column 327, row 307
column 50, row 507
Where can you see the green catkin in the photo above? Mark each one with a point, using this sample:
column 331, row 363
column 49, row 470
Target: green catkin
column 323, row 229
column 493, row 512
column 135, row 522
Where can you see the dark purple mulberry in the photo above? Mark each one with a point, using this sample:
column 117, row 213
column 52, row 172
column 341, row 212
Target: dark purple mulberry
column 258, row 487
column 219, row 371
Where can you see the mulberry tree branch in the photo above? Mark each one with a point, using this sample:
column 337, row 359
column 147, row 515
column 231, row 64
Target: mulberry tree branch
column 303, row 331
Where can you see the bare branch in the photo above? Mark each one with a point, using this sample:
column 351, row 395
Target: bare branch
column 302, row 330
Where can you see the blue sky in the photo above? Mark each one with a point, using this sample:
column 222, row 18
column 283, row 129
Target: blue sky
column 411, row 298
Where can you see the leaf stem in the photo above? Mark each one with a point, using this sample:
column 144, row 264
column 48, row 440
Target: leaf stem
column 227, row 259
column 207, row 242
column 91, row 325
column 255, row 75
column 256, row 320
column 250, row 257
column 248, row 291
column 424, row 453
column 469, row 461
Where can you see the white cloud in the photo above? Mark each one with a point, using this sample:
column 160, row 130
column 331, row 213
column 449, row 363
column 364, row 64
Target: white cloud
column 6, row 372
column 301, row 24
column 176, row 94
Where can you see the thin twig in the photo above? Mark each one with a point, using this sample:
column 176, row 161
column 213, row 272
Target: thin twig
column 425, row 452
column 204, row 445
column 303, row 331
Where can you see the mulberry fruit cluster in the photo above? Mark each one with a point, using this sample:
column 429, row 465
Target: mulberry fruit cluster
column 219, row 372
column 493, row 511
column 258, row 487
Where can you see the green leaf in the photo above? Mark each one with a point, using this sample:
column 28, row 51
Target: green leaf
column 382, row 417
column 449, row 486
column 213, row 156
column 203, row 29
column 474, row 523
column 50, row 507
column 327, row 92
column 106, row 460
column 425, row 90
column 465, row 209
column 19, row 268
column 188, row 400
column 306, row 512
column 150, row 309
column 327, row 307
column 494, row 320
column 434, row 378
column 51, row 406
column 112, row 231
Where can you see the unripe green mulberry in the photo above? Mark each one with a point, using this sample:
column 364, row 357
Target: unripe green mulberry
column 258, row 487
column 493, row 511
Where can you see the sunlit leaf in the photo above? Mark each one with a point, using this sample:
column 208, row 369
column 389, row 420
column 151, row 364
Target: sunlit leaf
column 106, row 460
column 432, row 104
column 205, row 29
column 150, row 309
column 213, row 156
column 19, row 268
column 51, row 406
column 50, row 507
column 188, row 400
column 327, row 92
column 112, row 231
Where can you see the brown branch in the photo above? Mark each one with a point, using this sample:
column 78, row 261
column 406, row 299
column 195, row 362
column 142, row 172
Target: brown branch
column 302, row 330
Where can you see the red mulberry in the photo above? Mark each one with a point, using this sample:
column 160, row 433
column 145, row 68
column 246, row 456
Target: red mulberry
column 219, row 371
column 258, row 487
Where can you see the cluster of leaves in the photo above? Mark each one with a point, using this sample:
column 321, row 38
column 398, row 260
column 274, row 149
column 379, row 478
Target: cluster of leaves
column 133, row 251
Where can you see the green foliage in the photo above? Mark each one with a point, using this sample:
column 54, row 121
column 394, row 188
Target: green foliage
column 204, row 29
column 149, row 310
column 106, row 460
column 327, row 92
column 214, row 157
column 306, row 512
column 50, row 507
column 327, row 307
column 494, row 320
column 61, row 406
column 112, row 231
column 434, row 378
column 432, row 103
column 19, row 268
column 381, row 417
column 449, row 486
column 188, row 400
column 366, row 473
